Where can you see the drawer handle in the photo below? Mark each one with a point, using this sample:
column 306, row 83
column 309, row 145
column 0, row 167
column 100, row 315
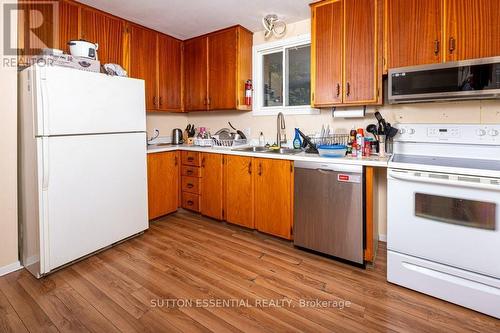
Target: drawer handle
column 190, row 172
column 190, row 202
column 250, row 168
column 190, row 159
column 190, row 185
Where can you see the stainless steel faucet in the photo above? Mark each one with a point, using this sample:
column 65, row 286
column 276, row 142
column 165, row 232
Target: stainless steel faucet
column 280, row 129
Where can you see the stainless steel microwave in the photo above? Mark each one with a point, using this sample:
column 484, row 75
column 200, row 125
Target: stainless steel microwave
column 460, row 80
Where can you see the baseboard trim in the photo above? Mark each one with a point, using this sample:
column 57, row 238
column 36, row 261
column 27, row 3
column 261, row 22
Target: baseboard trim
column 382, row 238
column 10, row 268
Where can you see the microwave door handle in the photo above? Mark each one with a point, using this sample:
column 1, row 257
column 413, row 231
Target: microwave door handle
column 449, row 182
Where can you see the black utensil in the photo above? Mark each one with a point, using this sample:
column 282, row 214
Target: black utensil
column 192, row 131
column 391, row 131
column 372, row 128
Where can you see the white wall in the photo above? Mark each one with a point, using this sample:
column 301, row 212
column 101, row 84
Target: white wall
column 8, row 160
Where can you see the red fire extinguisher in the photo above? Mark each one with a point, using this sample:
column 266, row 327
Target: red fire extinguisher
column 248, row 92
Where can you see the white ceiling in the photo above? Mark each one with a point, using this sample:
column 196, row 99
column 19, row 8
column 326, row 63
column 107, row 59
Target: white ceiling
column 189, row 18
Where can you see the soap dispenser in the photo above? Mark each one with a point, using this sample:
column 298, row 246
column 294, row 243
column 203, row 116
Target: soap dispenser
column 297, row 141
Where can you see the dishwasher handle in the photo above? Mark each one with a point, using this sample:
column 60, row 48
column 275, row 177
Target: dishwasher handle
column 328, row 166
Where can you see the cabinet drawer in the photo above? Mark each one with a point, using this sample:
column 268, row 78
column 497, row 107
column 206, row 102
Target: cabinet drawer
column 190, row 184
column 191, row 201
column 191, row 158
column 191, row 171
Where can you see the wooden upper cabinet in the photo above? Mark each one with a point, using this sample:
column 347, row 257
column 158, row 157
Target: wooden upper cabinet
column 414, row 32
column 222, row 70
column 273, row 196
column 143, row 63
column 105, row 30
column 195, row 74
column 472, row 29
column 68, row 24
column 216, row 67
column 163, row 183
column 169, row 73
column 239, row 190
column 327, row 53
column 212, row 185
column 347, row 50
column 360, row 59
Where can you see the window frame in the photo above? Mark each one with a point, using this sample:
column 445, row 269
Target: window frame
column 257, row 64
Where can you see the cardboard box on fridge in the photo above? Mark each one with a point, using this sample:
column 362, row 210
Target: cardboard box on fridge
column 69, row 61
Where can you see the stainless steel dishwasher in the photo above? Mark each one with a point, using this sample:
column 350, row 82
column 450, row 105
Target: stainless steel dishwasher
column 329, row 209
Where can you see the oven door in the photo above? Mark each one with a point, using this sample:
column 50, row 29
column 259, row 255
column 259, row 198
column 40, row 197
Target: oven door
column 450, row 219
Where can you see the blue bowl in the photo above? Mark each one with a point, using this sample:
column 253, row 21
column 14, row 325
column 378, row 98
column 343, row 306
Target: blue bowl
column 332, row 150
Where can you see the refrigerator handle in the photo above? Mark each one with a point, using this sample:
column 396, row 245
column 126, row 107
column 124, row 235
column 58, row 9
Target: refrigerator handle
column 45, row 163
column 45, row 105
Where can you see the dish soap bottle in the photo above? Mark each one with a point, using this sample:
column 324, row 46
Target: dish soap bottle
column 262, row 140
column 297, row 141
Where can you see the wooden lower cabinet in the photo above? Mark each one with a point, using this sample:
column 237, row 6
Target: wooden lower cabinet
column 273, row 197
column 212, row 185
column 239, row 192
column 163, row 183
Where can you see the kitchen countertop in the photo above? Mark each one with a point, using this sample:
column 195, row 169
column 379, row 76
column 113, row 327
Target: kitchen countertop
column 373, row 161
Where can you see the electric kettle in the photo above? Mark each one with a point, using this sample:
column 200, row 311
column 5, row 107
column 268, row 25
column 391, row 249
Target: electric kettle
column 177, row 137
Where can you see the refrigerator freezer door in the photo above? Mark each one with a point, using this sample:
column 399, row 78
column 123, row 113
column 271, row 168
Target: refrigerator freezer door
column 72, row 102
column 96, row 194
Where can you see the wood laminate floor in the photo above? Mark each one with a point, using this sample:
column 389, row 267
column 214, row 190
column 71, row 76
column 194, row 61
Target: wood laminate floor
column 168, row 280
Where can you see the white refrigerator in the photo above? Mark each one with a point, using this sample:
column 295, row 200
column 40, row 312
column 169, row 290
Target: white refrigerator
column 82, row 164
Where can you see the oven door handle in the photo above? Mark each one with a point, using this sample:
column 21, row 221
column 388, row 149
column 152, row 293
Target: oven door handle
column 405, row 176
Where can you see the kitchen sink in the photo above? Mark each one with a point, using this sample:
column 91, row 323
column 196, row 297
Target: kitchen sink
column 254, row 149
column 285, row 151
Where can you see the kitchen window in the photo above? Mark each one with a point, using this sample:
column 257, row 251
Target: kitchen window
column 282, row 77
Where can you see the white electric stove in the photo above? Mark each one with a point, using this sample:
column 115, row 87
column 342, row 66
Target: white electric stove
column 444, row 213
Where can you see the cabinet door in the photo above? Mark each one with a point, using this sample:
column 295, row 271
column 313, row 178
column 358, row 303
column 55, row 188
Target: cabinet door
column 239, row 190
column 327, row 53
column 211, row 185
column 360, row 60
column 195, row 74
column 273, row 196
column 105, row 30
column 222, row 70
column 169, row 73
column 68, row 24
column 143, row 56
column 472, row 29
column 163, row 183
column 414, row 32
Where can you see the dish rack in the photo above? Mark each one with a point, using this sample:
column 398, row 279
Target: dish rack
column 333, row 139
column 219, row 143
column 227, row 143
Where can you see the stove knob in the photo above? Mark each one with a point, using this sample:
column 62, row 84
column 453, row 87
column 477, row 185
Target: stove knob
column 411, row 131
column 493, row 132
column 402, row 131
column 481, row 132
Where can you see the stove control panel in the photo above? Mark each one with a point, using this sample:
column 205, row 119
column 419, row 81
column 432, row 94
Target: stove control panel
column 450, row 133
